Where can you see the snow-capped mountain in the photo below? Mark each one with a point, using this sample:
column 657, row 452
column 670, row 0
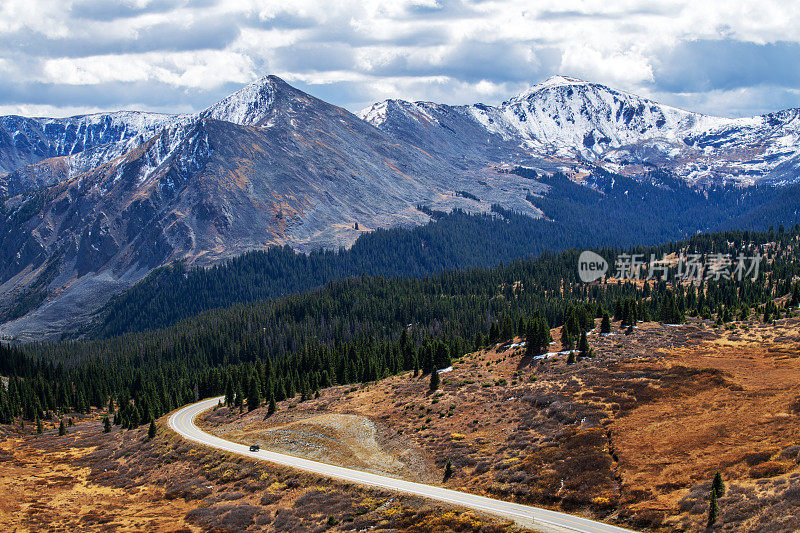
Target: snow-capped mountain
column 73, row 145
column 567, row 120
column 269, row 165
column 38, row 152
column 91, row 204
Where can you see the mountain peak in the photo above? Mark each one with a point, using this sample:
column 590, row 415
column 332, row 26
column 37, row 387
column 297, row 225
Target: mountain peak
column 249, row 105
column 559, row 80
column 550, row 83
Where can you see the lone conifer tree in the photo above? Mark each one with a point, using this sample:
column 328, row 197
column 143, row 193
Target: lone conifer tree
column 62, row 429
column 151, row 431
column 434, row 380
column 448, row 470
column 106, row 425
column 532, row 341
column 605, row 324
column 272, row 407
column 39, row 428
column 583, row 345
column 713, row 509
column 718, row 486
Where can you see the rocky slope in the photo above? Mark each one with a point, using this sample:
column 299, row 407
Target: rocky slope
column 36, row 152
column 268, row 165
column 90, row 204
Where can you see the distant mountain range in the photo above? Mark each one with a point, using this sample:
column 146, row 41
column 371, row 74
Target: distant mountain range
column 91, row 204
column 564, row 121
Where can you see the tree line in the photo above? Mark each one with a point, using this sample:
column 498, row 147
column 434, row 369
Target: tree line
column 357, row 330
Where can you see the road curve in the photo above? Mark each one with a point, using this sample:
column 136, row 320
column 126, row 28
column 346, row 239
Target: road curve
column 182, row 422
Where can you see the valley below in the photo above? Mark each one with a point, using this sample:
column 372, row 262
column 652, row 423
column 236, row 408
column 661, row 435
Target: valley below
column 632, row 436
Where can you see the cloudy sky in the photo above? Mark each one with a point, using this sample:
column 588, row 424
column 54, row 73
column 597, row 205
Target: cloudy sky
column 61, row 57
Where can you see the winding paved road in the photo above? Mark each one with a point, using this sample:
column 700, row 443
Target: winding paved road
column 182, row 422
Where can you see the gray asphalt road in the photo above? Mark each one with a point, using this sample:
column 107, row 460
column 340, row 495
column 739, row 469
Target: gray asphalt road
column 182, row 422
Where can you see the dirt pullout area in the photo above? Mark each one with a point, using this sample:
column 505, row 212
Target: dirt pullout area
column 88, row 480
column 632, row 435
column 349, row 440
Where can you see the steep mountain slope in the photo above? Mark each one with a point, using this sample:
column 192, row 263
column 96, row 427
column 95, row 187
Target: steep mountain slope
column 89, row 205
column 291, row 170
column 36, row 152
column 566, row 121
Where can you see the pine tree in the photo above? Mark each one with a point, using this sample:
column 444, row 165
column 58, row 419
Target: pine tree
column 448, row 470
column 583, row 345
column 434, row 380
column 62, row 430
column 537, row 335
column 544, row 328
column 567, row 342
column 106, row 425
column 494, row 333
column 239, row 399
column 151, row 431
column 571, row 358
column 229, row 392
column 532, row 340
column 272, row 407
column 744, row 312
column 39, row 428
column 718, row 486
column 713, row 509
column 253, row 394
column 605, row 324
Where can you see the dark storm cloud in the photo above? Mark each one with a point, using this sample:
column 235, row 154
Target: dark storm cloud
column 705, row 65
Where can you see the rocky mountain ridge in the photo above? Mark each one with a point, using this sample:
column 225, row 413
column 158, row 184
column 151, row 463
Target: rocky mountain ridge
column 89, row 205
column 566, row 121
